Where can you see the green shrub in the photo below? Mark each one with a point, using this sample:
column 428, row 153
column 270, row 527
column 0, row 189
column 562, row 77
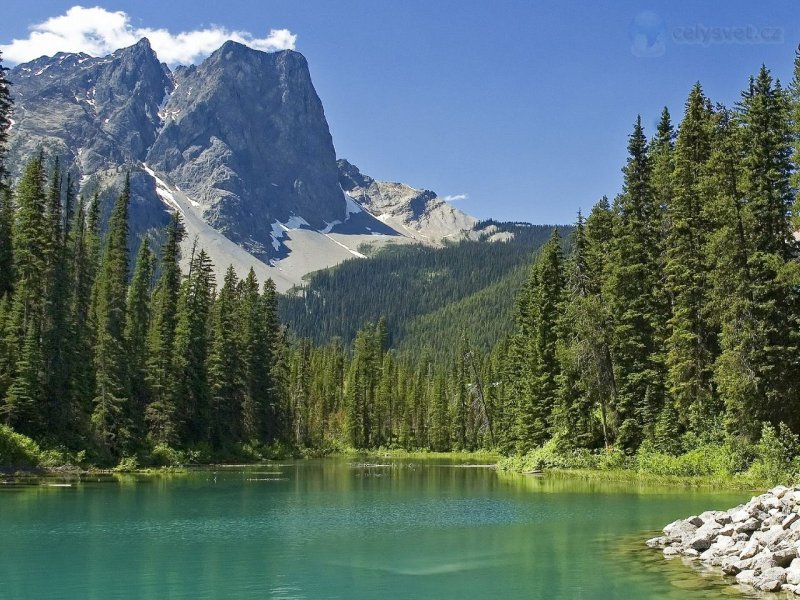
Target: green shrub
column 17, row 450
column 776, row 456
column 127, row 464
column 163, row 455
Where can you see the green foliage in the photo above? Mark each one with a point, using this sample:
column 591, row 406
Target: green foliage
column 777, row 456
column 127, row 464
column 18, row 450
column 439, row 287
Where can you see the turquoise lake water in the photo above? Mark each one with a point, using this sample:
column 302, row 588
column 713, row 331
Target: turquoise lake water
column 337, row 528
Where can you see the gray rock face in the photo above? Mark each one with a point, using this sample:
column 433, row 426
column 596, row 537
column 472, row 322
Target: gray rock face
column 245, row 135
column 95, row 113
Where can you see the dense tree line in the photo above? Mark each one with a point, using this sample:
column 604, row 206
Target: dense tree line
column 94, row 356
column 677, row 315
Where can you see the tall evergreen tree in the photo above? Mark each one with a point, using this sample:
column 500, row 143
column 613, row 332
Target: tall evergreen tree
column 161, row 414
column 84, row 251
column 540, row 374
column 112, row 411
column 136, row 328
column 225, row 373
column 190, row 387
column 23, row 328
column 764, row 113
column 632, row 277
column 691, row 346
column 6, row 240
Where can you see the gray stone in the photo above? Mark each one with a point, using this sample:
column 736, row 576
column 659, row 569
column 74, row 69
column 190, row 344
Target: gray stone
column 779, row 491
column 772, row 537
column 727, row 530
column 784, row 556
column 741, row 515
column 656, row 542
column 746, row 577
column 701, row 541
column 770, row 580
column 763, row 561
column 790, row 520
column 671, row 551
column 793, row 572
column 750, row 550
column 748, row 526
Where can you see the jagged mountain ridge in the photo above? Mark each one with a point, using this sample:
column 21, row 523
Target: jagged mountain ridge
column 238, row 144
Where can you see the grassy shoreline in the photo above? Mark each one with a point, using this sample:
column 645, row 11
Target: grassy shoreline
column 649, row 479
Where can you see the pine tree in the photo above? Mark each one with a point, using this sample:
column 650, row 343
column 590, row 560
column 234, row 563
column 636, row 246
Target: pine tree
column 136, row 328
column 582, row 350
column 6, row 241
column 730, row 310
column 84, row 251
column 24, row 322
column 112, row 411
column 58, row 340
column 540, row 331
column 265, row 379
column 632, row 277
column 691, row 346
column 190, row 388
column 764, row 113
column 161, row 414
column 225, row 372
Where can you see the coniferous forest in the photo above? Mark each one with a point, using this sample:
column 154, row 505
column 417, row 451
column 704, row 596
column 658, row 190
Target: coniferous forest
column 671, row 322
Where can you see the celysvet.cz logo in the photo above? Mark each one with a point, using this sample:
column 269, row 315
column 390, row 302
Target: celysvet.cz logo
column 650, row 36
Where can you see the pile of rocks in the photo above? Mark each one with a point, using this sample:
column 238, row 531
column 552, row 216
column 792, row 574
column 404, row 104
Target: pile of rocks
column 757, row 542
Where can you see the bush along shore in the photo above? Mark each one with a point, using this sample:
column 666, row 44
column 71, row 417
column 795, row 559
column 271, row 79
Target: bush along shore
column 758, row 543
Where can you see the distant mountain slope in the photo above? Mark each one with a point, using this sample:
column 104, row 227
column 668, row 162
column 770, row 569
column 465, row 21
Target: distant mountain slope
column 419, row 214
column 407, row 284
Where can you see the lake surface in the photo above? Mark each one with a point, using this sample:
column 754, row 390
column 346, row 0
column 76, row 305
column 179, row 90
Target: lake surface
column 336, row 528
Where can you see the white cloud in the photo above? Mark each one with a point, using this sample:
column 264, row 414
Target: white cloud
column 455, row 197
column 97, row 31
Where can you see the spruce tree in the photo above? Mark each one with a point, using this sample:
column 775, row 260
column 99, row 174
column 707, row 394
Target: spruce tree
column 111, row 417
column 161, row 414
column 136, row 328
column 84, row 251
column 539, row 328
column 764, row 113
column 691, row 346
column 24, row 321
column 6, row 240
column 225, row 374
column 632, row 278
column 190, row 387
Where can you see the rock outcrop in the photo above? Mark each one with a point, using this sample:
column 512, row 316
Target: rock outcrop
column 757, row 543
column 419, row 214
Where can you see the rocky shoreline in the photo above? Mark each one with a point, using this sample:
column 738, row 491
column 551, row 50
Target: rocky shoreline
column 758, row 543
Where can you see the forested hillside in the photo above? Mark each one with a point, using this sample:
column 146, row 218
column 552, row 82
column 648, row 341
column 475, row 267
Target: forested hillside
column 435, row 292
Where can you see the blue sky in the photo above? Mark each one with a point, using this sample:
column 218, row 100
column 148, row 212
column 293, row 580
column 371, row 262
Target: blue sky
column 523, row 106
